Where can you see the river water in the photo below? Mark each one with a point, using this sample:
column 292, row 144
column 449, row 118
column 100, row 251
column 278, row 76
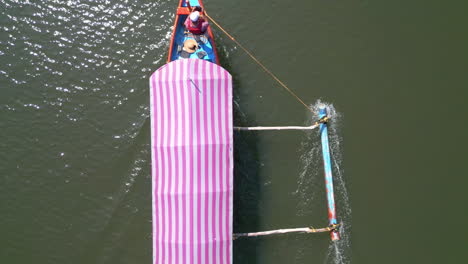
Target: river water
column 75, row 132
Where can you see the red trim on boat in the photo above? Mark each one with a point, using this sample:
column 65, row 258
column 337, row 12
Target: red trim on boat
column 176, row 21
column 183, row 11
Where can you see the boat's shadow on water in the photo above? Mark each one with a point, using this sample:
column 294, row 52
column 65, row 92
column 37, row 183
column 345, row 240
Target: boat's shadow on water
column 246, row 181
column 246, row 196
column 246, row 191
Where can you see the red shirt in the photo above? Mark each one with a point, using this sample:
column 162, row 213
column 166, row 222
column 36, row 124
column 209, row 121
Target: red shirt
column 198, row 28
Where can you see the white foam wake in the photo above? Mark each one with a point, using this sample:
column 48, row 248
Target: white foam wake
column 311, row 185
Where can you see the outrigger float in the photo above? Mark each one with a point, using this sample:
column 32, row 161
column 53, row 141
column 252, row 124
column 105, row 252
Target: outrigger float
column 192, row 153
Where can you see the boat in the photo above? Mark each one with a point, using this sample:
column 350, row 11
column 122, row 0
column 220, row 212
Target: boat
column 192, row 153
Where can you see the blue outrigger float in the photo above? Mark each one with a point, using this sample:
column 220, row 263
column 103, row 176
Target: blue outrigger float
column 192, row 153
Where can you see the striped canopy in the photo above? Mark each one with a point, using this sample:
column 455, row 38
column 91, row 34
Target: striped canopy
column 192, row 163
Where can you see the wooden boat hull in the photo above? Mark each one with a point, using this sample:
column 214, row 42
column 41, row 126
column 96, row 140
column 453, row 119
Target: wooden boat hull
column 192, row 154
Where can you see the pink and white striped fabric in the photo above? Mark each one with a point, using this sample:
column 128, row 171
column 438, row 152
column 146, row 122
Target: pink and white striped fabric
column 192, row 163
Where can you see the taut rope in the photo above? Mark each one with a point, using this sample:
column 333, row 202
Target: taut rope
column 259, row 63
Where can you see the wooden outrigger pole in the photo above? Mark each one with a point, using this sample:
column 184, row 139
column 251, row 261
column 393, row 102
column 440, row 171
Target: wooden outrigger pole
column 322, row 120
column 285, row 231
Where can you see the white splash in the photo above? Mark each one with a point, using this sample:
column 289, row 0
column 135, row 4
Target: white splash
column 311, row 185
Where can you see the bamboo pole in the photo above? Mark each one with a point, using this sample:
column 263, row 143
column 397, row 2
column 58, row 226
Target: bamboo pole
column 322, row 120
column 288, row 230
column 277, row 128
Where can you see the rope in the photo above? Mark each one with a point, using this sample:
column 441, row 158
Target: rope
column 312, row 229
column 259, row 63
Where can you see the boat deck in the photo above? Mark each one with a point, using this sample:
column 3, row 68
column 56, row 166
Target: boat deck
column 205, row 43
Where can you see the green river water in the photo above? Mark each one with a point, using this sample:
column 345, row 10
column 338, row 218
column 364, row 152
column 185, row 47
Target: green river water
column 75, row 180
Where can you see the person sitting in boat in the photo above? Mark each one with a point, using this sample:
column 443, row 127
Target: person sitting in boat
column 196, row 24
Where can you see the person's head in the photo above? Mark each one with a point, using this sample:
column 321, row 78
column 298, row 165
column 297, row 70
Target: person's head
column 194, row 16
